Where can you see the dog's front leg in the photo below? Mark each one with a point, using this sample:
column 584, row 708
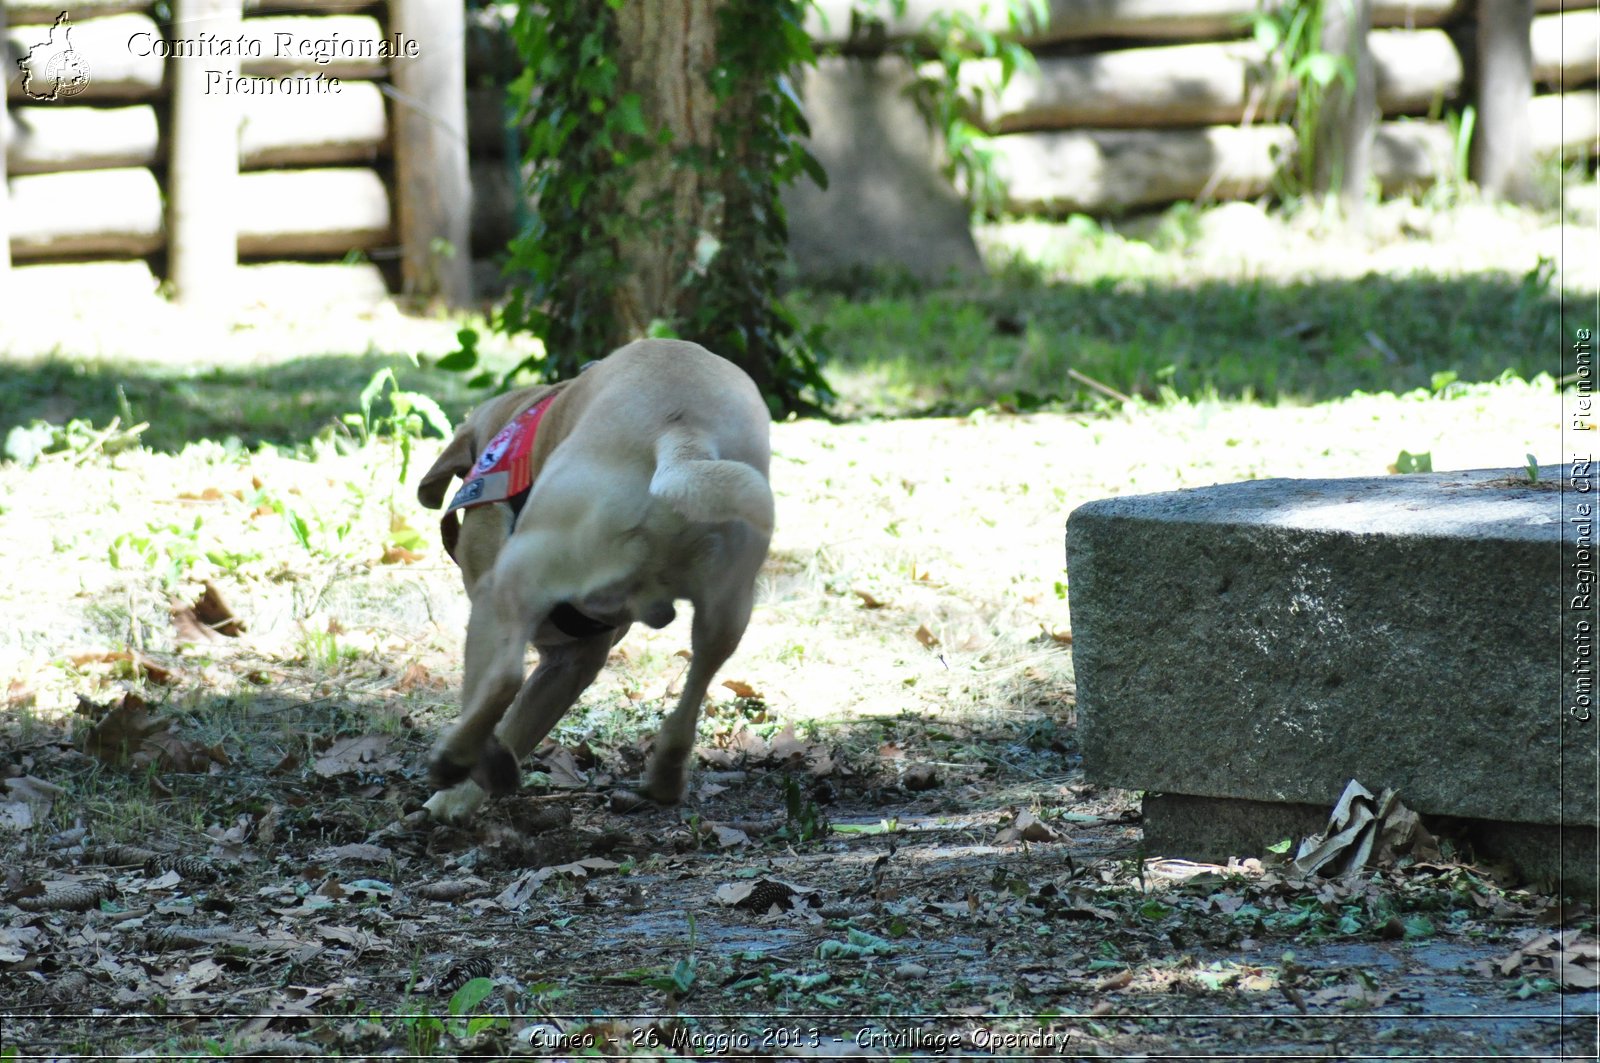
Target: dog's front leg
column 564, row 672
column 497, row 642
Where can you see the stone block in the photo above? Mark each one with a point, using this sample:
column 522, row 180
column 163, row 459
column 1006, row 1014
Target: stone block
column 1268, row 641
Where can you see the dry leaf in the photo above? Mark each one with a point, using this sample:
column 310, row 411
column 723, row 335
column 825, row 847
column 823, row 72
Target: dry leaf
column 562, row 766
column 1029, row 828
column 19, row 695
column 742, row 690
column 16, row 815
column 140, row 665
column 399, row 555
column 416, row 675
column 926, row 637
column 358, row 753
column 868, row 601
column 450, row 889
column 1120, row 980
column 355, row 852
column 207, row 618
column 786, row 745
column 119, row 730
column 16, row 941
column 728, row 837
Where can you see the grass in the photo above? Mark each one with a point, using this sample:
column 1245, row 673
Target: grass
column 1174, row 308
column 948, row 351
column 286, row 405
column 1228, row 304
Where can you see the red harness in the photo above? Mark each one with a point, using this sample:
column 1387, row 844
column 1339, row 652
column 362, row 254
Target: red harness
column 505, row 468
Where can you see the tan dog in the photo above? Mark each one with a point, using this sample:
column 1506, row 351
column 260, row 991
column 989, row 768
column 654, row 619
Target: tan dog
column 649, row 485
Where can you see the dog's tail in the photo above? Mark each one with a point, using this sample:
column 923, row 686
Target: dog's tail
column 706, row 490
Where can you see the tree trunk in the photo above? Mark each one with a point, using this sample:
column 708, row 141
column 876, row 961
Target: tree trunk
column 5, row 195
column 430, row 152
column 204, row 163
column 666, row 48
column 1502, row 149
column 1349, row 111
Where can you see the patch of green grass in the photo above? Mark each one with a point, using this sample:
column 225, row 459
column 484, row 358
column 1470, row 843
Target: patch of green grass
column 284, row 405
column 1023, row 343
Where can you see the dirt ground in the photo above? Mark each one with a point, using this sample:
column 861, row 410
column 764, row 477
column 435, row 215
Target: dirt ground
column 215, row 845
column 209, row 801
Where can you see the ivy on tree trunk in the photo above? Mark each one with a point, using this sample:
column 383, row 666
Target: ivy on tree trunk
column 660, row 135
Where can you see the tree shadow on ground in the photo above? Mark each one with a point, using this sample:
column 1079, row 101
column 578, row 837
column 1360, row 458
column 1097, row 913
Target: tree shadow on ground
column 1010, row 340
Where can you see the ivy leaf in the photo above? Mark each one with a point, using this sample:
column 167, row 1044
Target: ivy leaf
column 458, row 361
column 630, row 116
column 814, row 169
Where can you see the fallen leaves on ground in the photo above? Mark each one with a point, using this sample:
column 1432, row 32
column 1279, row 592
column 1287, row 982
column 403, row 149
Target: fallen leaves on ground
column 206, row 618
column 766, row 896
column 356, row 753
column 1028, row 827
column 1364, row 830
column 1570, row 958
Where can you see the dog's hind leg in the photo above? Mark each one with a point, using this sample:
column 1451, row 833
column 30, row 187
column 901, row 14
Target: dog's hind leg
column 718, row 627
column 565, row 671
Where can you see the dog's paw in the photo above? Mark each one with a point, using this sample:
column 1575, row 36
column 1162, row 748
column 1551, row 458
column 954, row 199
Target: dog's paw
column 457, row 804
column 497, row 771
column 445, row 772
column 665, row 788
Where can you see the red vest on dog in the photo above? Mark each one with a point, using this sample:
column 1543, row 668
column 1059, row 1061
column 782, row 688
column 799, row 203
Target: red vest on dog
column 505, row 468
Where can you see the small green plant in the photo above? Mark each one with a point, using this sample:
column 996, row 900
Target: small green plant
column 324, row 538
column 323, row 648
column 1299, row 76
column 953, row 104
column 410, row 412
column 1533, row 987
column 1532, row 468
column 806, row 821
column 169, row 548
column 425, row 1031
column 678, row 980
column 858, row 944
column 1408, row 462
column 77, row 440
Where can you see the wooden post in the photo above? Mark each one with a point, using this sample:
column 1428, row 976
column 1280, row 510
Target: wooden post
column 5, row 125
column 1350, row 112
column 203, row 165
column 430, row 150
column 1502, row 150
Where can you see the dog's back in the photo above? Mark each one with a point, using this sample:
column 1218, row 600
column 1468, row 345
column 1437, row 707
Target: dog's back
column 651, row 478
column 643, row 411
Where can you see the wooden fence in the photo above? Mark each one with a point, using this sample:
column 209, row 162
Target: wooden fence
column 1134, row 103
column 1138, row 103
column 342, row 146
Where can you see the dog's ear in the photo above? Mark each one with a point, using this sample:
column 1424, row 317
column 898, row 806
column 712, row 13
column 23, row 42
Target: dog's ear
column 455, row 461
